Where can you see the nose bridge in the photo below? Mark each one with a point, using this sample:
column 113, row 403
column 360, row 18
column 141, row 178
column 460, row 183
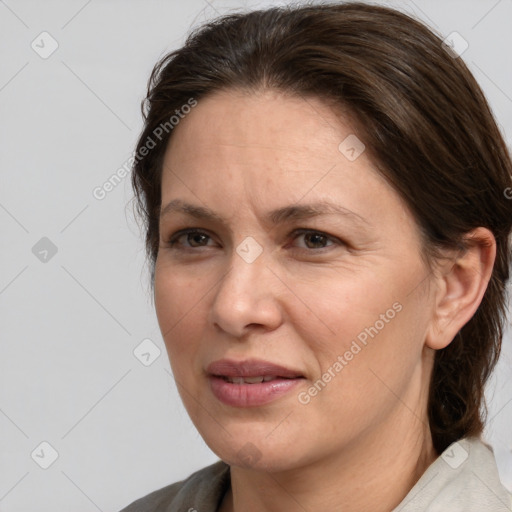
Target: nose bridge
column 244, row 295
column 246, row 273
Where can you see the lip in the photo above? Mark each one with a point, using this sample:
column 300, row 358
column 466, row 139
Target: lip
column 250, row 395
column 250, row 368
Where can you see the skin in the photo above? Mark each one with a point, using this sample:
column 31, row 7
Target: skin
column 302, row 302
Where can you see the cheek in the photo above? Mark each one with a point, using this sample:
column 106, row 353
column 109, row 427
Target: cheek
column 177, row 291
column 179, row 305
column 360, row 327
column 338, row 306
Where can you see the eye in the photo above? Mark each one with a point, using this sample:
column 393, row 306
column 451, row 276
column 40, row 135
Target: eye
column 192, row 236
column 195, row 238
column 315, row 239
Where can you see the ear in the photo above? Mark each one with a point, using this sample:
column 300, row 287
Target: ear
column 461, row 285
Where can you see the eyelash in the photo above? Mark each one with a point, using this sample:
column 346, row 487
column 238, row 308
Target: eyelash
column 173, row 239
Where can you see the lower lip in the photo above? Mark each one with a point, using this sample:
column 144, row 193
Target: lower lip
column 251, row 395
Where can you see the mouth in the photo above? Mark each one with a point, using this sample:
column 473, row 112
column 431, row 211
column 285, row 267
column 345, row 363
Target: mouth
column 250, row 383
column 251, row 370
column 251, row 380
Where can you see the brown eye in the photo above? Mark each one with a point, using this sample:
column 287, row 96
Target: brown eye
column 192, row 237
column 315, row 239
column 198, row 238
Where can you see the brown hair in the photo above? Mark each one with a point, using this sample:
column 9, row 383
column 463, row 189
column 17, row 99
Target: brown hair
column 422, row 117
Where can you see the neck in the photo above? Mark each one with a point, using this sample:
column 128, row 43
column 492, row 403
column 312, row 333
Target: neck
column 389, row 469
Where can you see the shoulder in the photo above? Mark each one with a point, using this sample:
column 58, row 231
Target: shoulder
column 464, row 478
column 202, row 490
column 478, row 485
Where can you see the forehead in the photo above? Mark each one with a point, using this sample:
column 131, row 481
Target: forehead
column 269, row 135
column 273, row 147
column 268, row 119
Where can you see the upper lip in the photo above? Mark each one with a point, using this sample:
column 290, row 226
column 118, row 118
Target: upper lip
column 250, row 368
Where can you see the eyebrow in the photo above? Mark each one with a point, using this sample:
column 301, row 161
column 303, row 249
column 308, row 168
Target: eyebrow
column 280, row 215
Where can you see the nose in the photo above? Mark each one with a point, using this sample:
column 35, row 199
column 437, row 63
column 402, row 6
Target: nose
column 247, row 297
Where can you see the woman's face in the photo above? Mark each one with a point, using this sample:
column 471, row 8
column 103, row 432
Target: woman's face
column 344, row 305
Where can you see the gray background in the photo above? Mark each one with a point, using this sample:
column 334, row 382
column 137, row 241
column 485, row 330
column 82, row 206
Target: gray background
column 70, row 321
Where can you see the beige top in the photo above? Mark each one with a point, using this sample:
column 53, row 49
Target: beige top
column 464, row 478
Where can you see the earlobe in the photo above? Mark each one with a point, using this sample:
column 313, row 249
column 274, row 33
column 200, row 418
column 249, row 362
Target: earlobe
column 461, row 285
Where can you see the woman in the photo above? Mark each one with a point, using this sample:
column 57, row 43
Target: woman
column 324, row 196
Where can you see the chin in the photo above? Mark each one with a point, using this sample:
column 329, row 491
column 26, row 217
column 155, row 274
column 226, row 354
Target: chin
column 255, row 452
column 249, row 457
